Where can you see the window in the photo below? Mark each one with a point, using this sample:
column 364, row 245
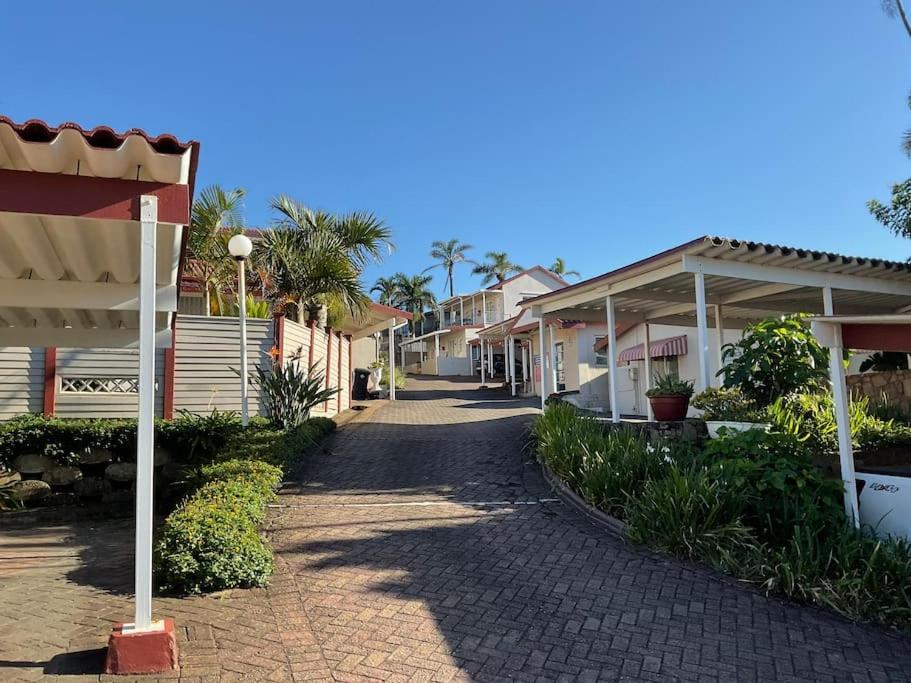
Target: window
column 600, row 356
column 665, row 366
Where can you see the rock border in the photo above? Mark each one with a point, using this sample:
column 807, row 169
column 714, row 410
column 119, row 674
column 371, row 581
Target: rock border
column 573, row 500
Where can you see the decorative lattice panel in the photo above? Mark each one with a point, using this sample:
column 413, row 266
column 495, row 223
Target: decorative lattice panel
column 99, row 385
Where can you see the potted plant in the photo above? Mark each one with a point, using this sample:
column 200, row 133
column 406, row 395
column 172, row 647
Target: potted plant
column 670, row 398
column 729, row 408
column 376, row 373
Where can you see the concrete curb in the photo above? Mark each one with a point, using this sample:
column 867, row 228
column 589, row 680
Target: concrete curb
column 571, row 499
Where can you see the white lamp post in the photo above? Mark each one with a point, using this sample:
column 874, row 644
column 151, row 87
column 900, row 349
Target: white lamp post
column 240, row 247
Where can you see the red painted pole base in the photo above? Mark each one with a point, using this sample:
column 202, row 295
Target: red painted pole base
column 145, row 652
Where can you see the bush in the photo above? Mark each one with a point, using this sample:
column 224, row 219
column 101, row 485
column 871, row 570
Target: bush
column 210, row 542
column 64, row 440
column 727, row 404
column 282, row 448
column 291, row 390
column 195, row 439
column 691, row 514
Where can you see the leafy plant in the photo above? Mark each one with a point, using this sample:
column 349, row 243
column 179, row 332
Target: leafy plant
column 290, row 391
column 497, row 268
column 559, row 267
column 775, row 357
column 199, row 438
column 727, row 404
column 448, row 255
column 671, row 385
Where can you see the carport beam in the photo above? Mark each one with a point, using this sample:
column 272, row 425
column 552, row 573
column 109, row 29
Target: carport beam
column 612, row 359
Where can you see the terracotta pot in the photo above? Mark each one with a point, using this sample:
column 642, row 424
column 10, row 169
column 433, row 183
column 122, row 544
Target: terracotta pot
column 669, row 408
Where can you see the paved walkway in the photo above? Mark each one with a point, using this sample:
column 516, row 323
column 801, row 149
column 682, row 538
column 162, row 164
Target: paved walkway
column 423, row 546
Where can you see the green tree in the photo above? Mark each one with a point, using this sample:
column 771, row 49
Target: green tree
column 498, row 267
column 315, row 259
column 559, row 268
column 775, row 357
column 896, row 8
column 215, row 218
column 387, row 288
column 449, row 254
column 896, row 216
column 414, row 295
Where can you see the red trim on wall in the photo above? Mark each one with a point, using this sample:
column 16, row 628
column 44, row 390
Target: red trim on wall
column 878, row 337
column 312, row 324
column 50, row 380
column 278, row 332
column 170, row 355
column 338, row 396
column 59, row 194
column 328, row 362
column 350, row 367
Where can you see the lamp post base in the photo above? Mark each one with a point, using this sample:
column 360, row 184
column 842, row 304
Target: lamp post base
column 142, row 652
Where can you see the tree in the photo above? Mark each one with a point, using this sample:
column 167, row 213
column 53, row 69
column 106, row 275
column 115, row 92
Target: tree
column 885, row 361
column 896, row 8
column 315, row 258
column 559, row 268
column 775, row 357
column 413, row 295
column 897, row 215
column 387, row 288
column 215, row 217
column 498, row 267
column 449, row 254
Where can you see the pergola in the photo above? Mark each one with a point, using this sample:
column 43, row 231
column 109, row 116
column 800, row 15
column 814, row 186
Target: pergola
column 377, row 319
column 92, row 241
column 733, row 282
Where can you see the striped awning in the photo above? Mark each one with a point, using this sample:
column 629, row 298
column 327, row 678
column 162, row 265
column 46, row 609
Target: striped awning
column 660, row 348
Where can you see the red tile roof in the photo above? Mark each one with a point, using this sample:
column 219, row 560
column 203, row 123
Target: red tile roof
column 102, row 137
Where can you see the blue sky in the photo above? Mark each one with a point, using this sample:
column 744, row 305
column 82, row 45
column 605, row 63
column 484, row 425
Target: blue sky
column 597, row 131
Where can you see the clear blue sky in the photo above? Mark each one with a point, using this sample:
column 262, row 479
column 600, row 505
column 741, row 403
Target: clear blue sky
column 597, row 131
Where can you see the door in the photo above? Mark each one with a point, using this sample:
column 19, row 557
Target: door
column 559, row 367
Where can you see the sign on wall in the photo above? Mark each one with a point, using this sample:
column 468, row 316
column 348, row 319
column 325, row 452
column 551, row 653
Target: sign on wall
column 885, row 503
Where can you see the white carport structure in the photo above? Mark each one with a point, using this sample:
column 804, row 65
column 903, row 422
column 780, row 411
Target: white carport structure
column 420, row 342
column 494, row 335
column 92, row 237
column 380, row 318
column 732, row 282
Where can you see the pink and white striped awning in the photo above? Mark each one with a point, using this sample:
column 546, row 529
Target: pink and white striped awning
column 660, row 348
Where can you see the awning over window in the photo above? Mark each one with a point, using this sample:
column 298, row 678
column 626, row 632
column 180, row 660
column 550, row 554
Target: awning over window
column 660, row 348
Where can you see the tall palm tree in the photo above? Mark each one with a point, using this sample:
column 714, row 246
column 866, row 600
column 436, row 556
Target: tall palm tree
column 387, row 288
column 559, row 268
column 216, row 216
column 449, row 254
column 498, row 267
column 315, row 258
column 414, row 295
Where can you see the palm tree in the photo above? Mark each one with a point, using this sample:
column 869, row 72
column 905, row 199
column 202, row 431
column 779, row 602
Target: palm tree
column 498, row 267
column 387, row 288
column 315, row 259
column 414, row 295
column 449, row 254
column 215, row 217
column 559, row 268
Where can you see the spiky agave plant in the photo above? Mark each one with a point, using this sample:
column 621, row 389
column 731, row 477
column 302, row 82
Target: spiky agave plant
column 291, row 390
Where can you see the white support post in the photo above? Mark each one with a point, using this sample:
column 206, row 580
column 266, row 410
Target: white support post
column 702, row 333
column 484, row 308
column 402, row 355
column 145, row 437
column 391, row 363
column 719, row 328
column 524, row 365
column 648, row 371
column 483, row 365
column 612, row 359
column 490, row 359
column 543, row 363
column 242, row 314
column 436, row 352
column 461, row 311
column 842, row 419
column 553, row 357
column 511, row 362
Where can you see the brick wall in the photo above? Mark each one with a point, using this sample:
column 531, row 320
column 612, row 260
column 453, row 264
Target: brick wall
column 895, row 384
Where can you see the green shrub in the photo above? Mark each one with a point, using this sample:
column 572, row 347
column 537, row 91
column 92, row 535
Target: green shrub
column 282, row 448
column 260, row 475
column 776, row 479
column 691, row 514
column 195, row 439
column 291, row 390
column 727, row 404
column 64, row 440
column 558, row 436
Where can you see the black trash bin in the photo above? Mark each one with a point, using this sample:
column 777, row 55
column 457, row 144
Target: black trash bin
column 359, row 390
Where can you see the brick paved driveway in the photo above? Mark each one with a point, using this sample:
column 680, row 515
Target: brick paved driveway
column 419, row 548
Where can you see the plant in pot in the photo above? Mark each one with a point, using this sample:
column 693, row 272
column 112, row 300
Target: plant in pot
column 670, row 398
column 377, row 369
column 730, row 409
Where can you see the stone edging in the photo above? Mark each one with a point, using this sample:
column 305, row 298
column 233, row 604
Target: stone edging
column 571, row 499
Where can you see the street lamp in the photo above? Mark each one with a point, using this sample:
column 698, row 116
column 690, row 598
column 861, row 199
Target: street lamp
column 240, row 247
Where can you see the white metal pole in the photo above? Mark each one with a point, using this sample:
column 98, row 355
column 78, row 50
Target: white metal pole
column 553, row 357
column 543, row 363
column 648, row 371
column 483, row 364
column 842, row 419
column 702, row 333
column 511, row 362
column 490, row 358
column 242, row 313
column 612, row 359
column 522, row 351
column 461, row 311
column 484, row 308
column 145, row 436
column 436, row 351
column 719, row 328
column 391, row 364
